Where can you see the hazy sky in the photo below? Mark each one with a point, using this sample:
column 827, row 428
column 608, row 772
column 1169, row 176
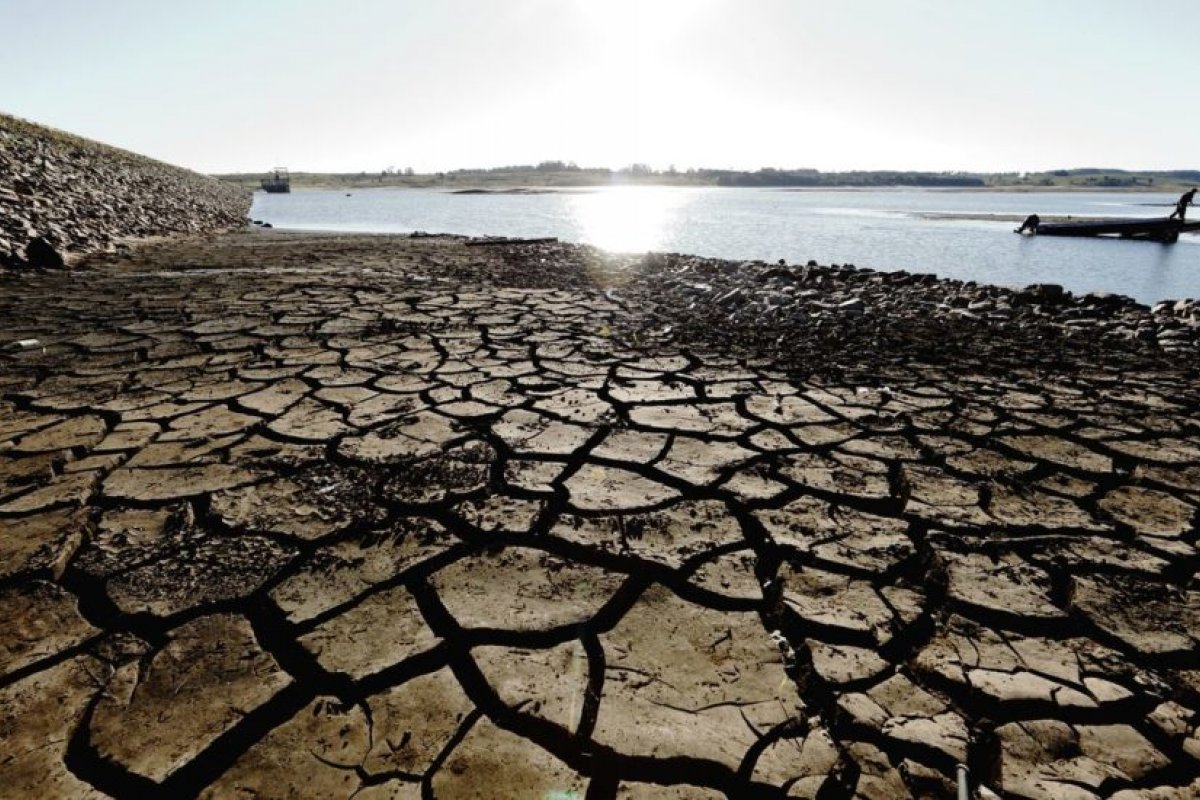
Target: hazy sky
column 218, row 85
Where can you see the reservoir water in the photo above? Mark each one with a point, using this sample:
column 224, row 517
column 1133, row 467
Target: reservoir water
column 885, row 229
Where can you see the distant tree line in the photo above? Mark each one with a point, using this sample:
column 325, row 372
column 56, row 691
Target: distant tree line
column 568, row 173
column 812, row 177
column 768, row 176
column 1184, row 175
column 543, row 166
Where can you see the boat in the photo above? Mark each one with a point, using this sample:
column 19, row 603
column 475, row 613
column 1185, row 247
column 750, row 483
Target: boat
column 1164, row 230
column 279, row 182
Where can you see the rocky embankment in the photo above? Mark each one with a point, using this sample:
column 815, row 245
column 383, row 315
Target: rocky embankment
column 61, row 194
column 855, row 321
column 867, row 317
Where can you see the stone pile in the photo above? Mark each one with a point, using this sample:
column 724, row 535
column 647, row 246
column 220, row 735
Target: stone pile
column 62, row 194
column 760, row 305
column 1175, row 323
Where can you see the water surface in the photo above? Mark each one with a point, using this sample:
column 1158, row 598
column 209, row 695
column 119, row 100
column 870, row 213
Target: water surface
column 885, row 229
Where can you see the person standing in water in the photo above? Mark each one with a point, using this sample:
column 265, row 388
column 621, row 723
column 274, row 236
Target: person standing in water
column 1185, row 200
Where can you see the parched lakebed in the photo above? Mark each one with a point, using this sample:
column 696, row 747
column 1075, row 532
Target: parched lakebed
column 320, row 515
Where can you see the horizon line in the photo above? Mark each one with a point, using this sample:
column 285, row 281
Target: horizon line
column 644, row 169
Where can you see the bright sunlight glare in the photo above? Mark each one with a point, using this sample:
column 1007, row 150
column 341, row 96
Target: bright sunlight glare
column 626, row 219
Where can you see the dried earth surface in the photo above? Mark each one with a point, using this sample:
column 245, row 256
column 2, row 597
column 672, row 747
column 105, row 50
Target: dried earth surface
column 310, row 515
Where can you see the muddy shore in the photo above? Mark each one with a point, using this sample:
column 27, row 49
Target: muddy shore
column 301, row 515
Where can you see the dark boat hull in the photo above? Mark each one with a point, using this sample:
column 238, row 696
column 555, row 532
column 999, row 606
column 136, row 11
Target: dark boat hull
column 1158, row 230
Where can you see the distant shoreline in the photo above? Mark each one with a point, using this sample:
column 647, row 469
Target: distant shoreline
column 583, row 188
column 555, row 176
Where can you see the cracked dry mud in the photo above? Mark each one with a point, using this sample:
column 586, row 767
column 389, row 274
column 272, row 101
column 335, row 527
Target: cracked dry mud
column 380, row 517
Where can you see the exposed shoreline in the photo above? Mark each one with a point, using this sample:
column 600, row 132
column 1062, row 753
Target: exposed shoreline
column 485, row 518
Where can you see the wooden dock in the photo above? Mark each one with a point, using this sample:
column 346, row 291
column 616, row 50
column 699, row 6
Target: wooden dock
column 1154, row 230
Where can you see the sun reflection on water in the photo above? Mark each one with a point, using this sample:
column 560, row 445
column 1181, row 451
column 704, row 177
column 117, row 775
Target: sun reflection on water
column 628, row 219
